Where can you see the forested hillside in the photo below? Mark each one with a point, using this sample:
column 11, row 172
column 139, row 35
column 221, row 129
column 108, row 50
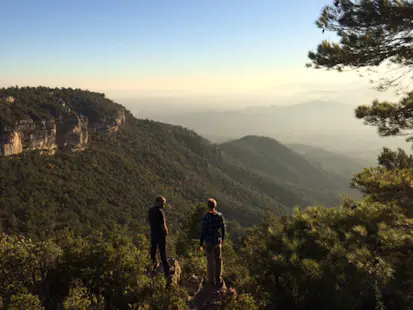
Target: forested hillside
column 118, row 175
column 269, row 157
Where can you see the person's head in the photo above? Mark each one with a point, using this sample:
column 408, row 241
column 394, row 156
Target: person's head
column 212, row 203
column 160, row 201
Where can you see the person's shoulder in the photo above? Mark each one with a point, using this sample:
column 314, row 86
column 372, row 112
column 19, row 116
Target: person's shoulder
column 155, row 209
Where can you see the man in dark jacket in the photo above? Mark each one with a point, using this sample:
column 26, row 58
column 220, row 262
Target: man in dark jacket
column 212, row 223
column 159, row 231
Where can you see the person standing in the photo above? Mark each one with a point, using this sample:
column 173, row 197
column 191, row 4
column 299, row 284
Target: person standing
column 159, row 231
column 212, row 223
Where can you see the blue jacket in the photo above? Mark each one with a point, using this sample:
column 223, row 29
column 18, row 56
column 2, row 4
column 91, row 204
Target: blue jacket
column 211, row 224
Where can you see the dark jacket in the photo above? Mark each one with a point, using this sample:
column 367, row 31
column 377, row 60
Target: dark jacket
column 212, row 223
column 157, row 222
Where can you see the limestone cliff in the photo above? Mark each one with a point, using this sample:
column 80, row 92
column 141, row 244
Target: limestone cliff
column 68, row 133
column 10, row 143
column 27, row 135
column 38, row 136
column 111, row 124
column 72, row 133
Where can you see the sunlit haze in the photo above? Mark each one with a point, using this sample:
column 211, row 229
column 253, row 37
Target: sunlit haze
column 216, row 53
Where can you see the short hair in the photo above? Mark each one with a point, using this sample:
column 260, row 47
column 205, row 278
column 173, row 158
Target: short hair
column 212, row 203
column 160, row 200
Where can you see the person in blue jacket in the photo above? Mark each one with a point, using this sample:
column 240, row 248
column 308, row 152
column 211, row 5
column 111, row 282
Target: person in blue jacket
column 213, row 234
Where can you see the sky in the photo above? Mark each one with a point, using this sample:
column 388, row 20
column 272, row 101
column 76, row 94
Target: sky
column 222, row 51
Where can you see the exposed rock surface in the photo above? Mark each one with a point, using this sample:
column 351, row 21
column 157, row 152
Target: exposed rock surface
column 201, row 295
column 193, row 285
column 111, row 124
column 7, row 99
column 211, row 297
column 175, row 271
column 70, row 133
column 11, row 143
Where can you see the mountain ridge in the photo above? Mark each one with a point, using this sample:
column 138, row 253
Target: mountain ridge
column 270, row 157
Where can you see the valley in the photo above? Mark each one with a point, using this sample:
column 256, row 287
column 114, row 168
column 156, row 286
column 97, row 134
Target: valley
column 324, row 124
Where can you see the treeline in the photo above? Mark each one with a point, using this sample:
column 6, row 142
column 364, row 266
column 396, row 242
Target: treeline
column 44, row 103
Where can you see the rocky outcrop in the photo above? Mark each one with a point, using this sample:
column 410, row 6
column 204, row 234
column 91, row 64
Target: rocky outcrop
column 70, row 133
column 42, row 137
column 119, row 120
column 10, row 143
column 7, row 99
column 193, row 285
column 111, row 124
column 209, row 297
column 200, row 295
column 27, row 135
column 175, row 271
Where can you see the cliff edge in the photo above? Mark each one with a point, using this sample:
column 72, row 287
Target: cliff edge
column 48, row 120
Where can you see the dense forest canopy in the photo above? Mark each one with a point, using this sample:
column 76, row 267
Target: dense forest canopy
column 44, row 103
column 356, row 256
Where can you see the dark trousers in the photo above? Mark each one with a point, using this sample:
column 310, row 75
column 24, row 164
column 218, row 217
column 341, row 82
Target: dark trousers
column 160, row 242
column 214, row 262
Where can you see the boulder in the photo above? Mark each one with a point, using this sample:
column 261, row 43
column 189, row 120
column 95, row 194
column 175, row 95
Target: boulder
column 174, row 274
column 210, row 297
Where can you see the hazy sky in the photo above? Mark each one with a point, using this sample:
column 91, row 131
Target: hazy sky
column 170, row 48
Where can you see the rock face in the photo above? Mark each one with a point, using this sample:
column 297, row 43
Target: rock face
column 10, row 143
column 193, row 285
column 69, row 134
column 175, row 271
column 111, row 124
column 27, row 135
column 210, row 297
column 118, row 121
column 43, row 138
column 8, row 99
column 72, row 134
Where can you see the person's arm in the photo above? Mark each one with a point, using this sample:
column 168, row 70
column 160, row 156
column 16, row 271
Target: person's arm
column 223, row 228
column 203, row 230
column 163, row 222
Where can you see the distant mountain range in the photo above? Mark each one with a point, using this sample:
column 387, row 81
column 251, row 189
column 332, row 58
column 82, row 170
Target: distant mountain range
column 328, row 125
